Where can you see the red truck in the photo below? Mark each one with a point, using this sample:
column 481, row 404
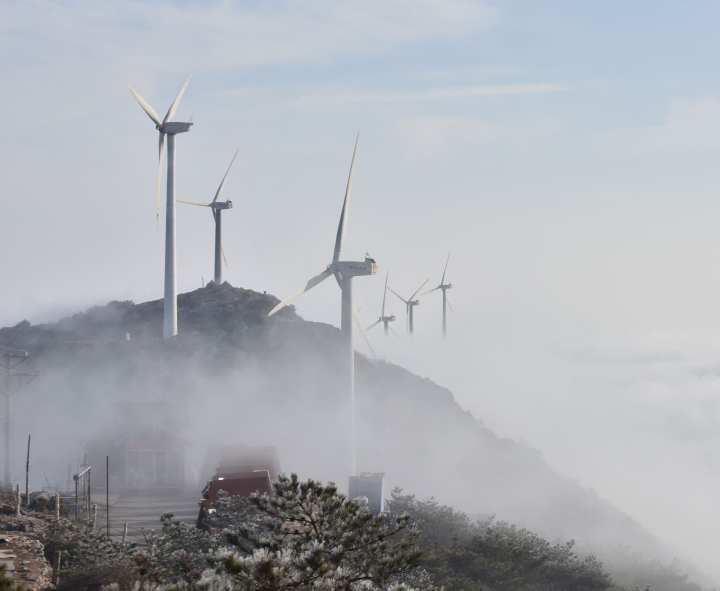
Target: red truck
column 239, row 471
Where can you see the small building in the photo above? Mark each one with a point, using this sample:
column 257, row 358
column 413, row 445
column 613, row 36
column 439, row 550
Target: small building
column 368, row 486
column 153, row 458
column 145, row 451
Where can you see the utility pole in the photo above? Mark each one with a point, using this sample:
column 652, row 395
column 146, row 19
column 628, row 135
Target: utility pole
column 27, row 474
column 13, row 379
column 107, row 495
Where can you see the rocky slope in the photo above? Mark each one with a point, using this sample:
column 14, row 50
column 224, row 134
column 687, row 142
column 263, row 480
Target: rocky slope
column 21, row 552
column 235, row 376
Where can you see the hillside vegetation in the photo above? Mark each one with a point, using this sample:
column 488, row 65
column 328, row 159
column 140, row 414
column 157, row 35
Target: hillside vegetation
column 235, row 376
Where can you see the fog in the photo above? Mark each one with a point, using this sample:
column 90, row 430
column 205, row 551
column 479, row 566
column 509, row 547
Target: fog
column 567, row 158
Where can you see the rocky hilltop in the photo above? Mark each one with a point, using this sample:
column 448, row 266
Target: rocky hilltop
column 235, row 376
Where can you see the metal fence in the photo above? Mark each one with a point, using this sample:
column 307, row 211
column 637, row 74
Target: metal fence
column 83, row 494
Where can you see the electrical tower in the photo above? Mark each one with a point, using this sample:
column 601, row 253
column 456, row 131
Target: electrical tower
column 13, row 378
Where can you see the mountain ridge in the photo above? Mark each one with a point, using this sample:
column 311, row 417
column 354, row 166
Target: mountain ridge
column 276, row 381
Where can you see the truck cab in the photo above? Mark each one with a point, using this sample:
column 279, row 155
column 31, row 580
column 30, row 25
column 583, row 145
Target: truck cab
column 239, row 472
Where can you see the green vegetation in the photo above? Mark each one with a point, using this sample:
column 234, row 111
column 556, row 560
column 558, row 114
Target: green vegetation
column 6, row 583
column 306, row 536
column 488, row 555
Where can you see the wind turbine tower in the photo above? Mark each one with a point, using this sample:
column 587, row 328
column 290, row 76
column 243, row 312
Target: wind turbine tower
column 168, row 128
column 216, row 209
column 386, row 319
column 410, row 304
column 444, row 288
column 344, row 272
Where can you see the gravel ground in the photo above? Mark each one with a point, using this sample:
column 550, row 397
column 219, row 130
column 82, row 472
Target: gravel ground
column 20, row 550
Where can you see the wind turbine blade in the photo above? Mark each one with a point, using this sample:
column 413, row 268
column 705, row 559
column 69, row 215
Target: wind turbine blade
column 222, row 182
column 373, row 325
column 317, row 279
column 449, row 304
column 447, row 260
column 173, row 107
column 308, row 286
column 363, row 333
column 224, row 258
column 186, row 202
column 158, row 187
column 149, row 111
column 398, row 295
column 345, row 208
column 430, row 290
column 286, row 302
column 419, row 288
column 382, row 312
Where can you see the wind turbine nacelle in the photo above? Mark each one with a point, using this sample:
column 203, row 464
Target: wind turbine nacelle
column 414, row 302
column 448, row 286
column 390, row 318
column 222, row 205
column 356, row 268
column 175, row 127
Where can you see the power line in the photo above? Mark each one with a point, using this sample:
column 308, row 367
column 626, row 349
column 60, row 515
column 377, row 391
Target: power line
column 14, row 377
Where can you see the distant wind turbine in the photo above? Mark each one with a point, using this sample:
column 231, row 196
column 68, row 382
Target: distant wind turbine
column 216, row 209
column 384, row 318
column 168, row 128
column 410, row 304
column 344, row 271
column 443, row 287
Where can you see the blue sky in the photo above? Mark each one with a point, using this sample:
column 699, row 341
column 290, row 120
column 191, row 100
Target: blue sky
column 566, row 152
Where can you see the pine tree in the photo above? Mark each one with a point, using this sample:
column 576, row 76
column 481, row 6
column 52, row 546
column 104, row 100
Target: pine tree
column 319, row 539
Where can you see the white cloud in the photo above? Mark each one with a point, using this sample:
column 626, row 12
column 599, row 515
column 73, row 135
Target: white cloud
column 223, row 35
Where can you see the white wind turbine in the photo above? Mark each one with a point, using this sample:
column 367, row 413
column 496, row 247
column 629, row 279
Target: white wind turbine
column 385, row 319
column 216, row 209
column 410, row 304
column 444, row 287
column 344, row 271
column 168, row 128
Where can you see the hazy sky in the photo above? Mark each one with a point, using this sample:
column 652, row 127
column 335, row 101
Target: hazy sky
column 565, row 152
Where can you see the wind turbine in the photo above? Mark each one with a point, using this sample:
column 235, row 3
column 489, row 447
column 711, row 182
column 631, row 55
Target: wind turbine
column 344, row 271
column 410, row 304
column 443, row 287
column 216, row 209
column 168, row 128
column 385, row 319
